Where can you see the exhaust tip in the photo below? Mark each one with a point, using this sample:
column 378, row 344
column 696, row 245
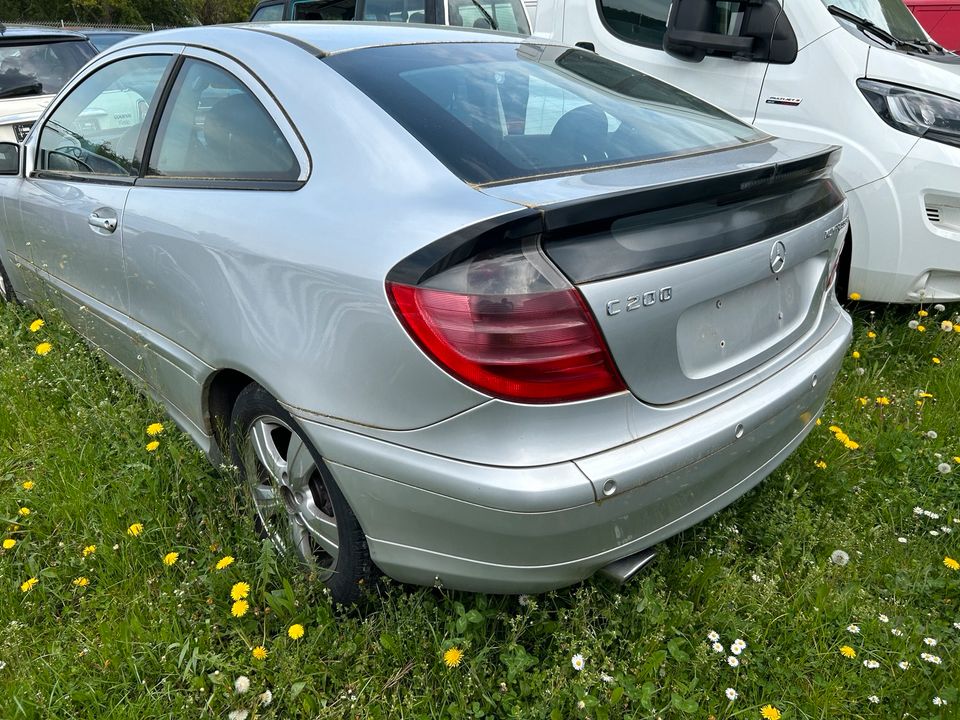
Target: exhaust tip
column 622, row 570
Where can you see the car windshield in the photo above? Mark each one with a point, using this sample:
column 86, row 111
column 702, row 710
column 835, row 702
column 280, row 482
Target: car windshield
column 40, row 68
column 890, row 15
column 494, row 112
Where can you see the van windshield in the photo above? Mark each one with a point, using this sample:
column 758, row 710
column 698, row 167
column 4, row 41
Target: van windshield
column 494, row 112
column 890, row 15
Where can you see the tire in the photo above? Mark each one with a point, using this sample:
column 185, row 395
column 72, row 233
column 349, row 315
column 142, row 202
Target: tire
column 6, row 289
column 295, row 500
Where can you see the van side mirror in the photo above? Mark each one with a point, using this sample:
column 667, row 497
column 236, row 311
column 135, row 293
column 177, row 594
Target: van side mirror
column 9, row 158
column 755, row 30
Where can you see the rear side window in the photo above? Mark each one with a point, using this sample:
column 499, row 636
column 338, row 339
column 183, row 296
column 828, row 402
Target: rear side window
column 404, row 11
column 495, row 112
column 40, row 68
column 214, row 127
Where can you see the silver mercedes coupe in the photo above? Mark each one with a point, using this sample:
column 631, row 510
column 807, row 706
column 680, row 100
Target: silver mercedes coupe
column 463, row 308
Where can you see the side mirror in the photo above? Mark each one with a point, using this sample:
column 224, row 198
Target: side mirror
column 9, row 158
column 747, row 30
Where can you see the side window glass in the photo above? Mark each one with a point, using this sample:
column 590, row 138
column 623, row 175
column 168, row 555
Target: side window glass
column 505, row 15
column 96, row 129
column 214, row 127
column 404, row 11
column 642, row 22
column 325, row 10
column 268, row 13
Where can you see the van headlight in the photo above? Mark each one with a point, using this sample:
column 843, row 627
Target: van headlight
column 920, row 113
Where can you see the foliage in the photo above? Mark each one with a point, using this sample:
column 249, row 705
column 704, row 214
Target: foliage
column 148, row 640
column 128, row 12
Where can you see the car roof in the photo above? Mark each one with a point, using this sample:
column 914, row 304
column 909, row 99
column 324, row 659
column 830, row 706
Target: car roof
column 327, row 38
column 21, row 33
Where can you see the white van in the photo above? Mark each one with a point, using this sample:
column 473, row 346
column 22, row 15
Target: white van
column 859, row 73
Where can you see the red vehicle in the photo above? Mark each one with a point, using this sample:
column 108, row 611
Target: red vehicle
column 940, row 18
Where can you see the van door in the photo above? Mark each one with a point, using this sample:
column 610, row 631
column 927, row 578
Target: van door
column 632, row 31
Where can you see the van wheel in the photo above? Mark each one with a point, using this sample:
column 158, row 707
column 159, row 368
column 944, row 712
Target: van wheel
column 6, row 289
column 296, row 502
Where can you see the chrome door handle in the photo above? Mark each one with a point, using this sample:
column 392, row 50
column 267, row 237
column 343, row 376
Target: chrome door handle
column 104, row 223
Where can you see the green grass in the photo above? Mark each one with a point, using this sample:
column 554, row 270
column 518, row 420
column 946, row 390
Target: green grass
column 144, row 640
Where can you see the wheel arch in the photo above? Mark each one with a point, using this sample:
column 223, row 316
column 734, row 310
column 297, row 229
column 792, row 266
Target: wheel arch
column 220, row 393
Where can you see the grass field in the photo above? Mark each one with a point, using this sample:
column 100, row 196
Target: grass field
column 139, row 638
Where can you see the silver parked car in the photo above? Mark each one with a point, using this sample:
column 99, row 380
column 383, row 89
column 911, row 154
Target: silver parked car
column 475, row 310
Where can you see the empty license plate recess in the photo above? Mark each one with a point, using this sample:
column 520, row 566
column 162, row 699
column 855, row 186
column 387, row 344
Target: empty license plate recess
column 747, row 325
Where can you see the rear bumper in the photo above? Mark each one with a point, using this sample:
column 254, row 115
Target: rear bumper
column 538, row 528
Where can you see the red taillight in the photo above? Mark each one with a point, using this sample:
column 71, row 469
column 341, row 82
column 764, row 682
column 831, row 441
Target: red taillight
column 540, row 347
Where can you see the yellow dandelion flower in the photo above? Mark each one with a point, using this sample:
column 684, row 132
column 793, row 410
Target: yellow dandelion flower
column 820, row 464
column 925, row 395
column 224, row 562
column 153, row 445
column 921, row 328
column 851, row 445
column 170, row 558
column 89, row 550
column 295, row 631
column 819, row 421
column 36, row 325
column 8, row 543
column 43, row 348
column 135, row 529
column 834, row 429
column 239, row 608
column 81, row 581
column 154, row 429
column 922, row 313
column 259, row 653
column 23, row 512
column 239, row 590
column 956, row 328
column 769, row 712
column 956, row 459
column 871, row 334
column 453, row 657
column 936, row 361
column 951, row 563
column 856, row 355
column 27, row 585
column 854, row 296
column 883, row 400
column 28, row 485
column 863, row 400
column 847, row 651
column 841, row 436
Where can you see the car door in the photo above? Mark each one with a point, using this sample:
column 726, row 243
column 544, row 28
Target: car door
column 223, row 154
column 631, row 32
column 85, row 158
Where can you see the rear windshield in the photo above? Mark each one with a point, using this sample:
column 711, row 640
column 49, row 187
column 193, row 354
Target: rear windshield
column 494, row 112
column 40, row 68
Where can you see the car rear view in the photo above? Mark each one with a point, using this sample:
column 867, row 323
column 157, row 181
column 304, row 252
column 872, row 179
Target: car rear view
column 654, row 324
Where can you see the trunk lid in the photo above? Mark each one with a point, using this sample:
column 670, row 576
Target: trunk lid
column 697, row 269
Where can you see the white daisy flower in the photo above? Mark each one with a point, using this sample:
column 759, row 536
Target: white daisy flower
column 713, row 636
column 732, row 661
column 855, row 629
column 956, row 625
column 883, row 618
column 946, row 529
column 935, row 533
column 606, row 678
column 577, row 662
column 740, row 643
column 731, row 694
column 934, row 659
column 932, row 642
column 903, row 664
column 918, row 510
column 756, row 578
column 896, row 632
column 871, row 664
column 736, row 649
column 717, row 647
column 874, row 699
column 902, row 540
column 938, row 701
column 241, row 684
column 932, row 515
